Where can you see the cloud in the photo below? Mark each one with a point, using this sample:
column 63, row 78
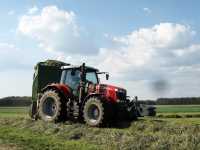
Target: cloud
column 15, row 82
column 12, row 57
column 147, row 10
column 146, row 45
column 56, row 31
column 149, row 55
column 150, row 62
column 162, row 56
column 11, row 12
column 9, row 56
column 163, row 35
column 33, row 10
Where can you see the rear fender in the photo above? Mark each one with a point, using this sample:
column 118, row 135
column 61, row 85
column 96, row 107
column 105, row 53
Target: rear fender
column 63, row 89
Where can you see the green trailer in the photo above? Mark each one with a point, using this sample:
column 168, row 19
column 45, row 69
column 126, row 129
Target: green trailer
column 45, row 73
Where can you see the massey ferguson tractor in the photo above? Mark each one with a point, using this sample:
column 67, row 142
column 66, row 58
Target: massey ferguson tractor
column 65, row 92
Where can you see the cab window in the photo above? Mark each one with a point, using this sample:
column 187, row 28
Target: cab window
column 91, row 77
column 71, row 79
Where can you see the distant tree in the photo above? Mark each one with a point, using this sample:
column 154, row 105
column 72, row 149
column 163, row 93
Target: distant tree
column 15, row 101
column 147, row 102
column 178, row 101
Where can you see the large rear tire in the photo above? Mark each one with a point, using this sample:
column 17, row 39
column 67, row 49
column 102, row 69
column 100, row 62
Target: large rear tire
column 94, row 112
column 50, row 107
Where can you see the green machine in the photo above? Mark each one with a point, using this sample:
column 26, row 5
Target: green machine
column 45, row 72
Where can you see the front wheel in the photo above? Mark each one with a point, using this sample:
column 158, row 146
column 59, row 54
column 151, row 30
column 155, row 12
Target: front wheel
column 93, row 112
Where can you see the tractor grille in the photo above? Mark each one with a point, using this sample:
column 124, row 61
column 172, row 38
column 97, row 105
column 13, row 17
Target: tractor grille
column 121, row 95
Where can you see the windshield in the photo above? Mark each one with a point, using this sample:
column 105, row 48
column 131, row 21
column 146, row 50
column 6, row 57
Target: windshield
column 71, row 79
column 92, row 77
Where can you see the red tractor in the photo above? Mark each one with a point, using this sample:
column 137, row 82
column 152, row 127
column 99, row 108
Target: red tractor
column 80, row 96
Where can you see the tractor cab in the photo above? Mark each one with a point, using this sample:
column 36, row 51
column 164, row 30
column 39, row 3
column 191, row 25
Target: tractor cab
column 71, row 76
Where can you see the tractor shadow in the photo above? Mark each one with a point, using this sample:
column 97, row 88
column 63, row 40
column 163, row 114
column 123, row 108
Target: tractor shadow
column 121, row 124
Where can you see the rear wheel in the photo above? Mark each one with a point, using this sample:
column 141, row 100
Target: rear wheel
column 50, row 107
column 93, row 112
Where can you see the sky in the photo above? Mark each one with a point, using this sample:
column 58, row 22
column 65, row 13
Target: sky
column 151, row 48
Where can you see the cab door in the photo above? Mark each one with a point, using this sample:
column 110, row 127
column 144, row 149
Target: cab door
column 71, row 78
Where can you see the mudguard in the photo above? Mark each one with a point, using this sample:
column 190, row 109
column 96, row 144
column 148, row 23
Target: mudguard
column 88, row 96
column 62, row 88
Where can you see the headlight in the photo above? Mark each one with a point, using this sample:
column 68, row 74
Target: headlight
column 116, row 90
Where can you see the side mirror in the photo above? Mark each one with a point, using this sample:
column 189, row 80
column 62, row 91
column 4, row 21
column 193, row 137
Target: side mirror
column 107, row 76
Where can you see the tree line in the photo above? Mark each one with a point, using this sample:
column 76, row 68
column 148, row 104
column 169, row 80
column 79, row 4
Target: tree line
column 178, row 101
column 16, row 101
column 173, row 101
column 26, row 101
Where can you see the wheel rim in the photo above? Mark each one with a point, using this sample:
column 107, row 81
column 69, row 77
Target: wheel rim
column 49, row 107
column 93, row 113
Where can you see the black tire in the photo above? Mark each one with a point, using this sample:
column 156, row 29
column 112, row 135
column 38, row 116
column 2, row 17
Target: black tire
column 50, row 107
column 94, row 112
column 152, row 112
column 132, row 115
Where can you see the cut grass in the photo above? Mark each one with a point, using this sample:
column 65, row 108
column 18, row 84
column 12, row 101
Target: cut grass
column 9, row 147
column 146, row 133
column 178, row 115
column 27, row 139
column 17, row 129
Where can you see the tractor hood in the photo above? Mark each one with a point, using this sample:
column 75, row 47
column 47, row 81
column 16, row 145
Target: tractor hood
column 112, row 93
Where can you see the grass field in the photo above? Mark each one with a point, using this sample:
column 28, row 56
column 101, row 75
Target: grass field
column 178, row 111
column 178, row 108
column 13, row 111
column 17, row 131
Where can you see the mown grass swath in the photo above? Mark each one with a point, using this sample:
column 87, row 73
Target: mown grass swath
column 146, row 133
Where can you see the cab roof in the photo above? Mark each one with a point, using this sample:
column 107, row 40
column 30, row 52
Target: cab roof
column 88, row 68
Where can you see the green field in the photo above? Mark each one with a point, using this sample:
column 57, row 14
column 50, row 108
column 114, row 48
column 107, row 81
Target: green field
column 17, row 131
column 13, row 111
column 178, row 108
column 178, row 111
